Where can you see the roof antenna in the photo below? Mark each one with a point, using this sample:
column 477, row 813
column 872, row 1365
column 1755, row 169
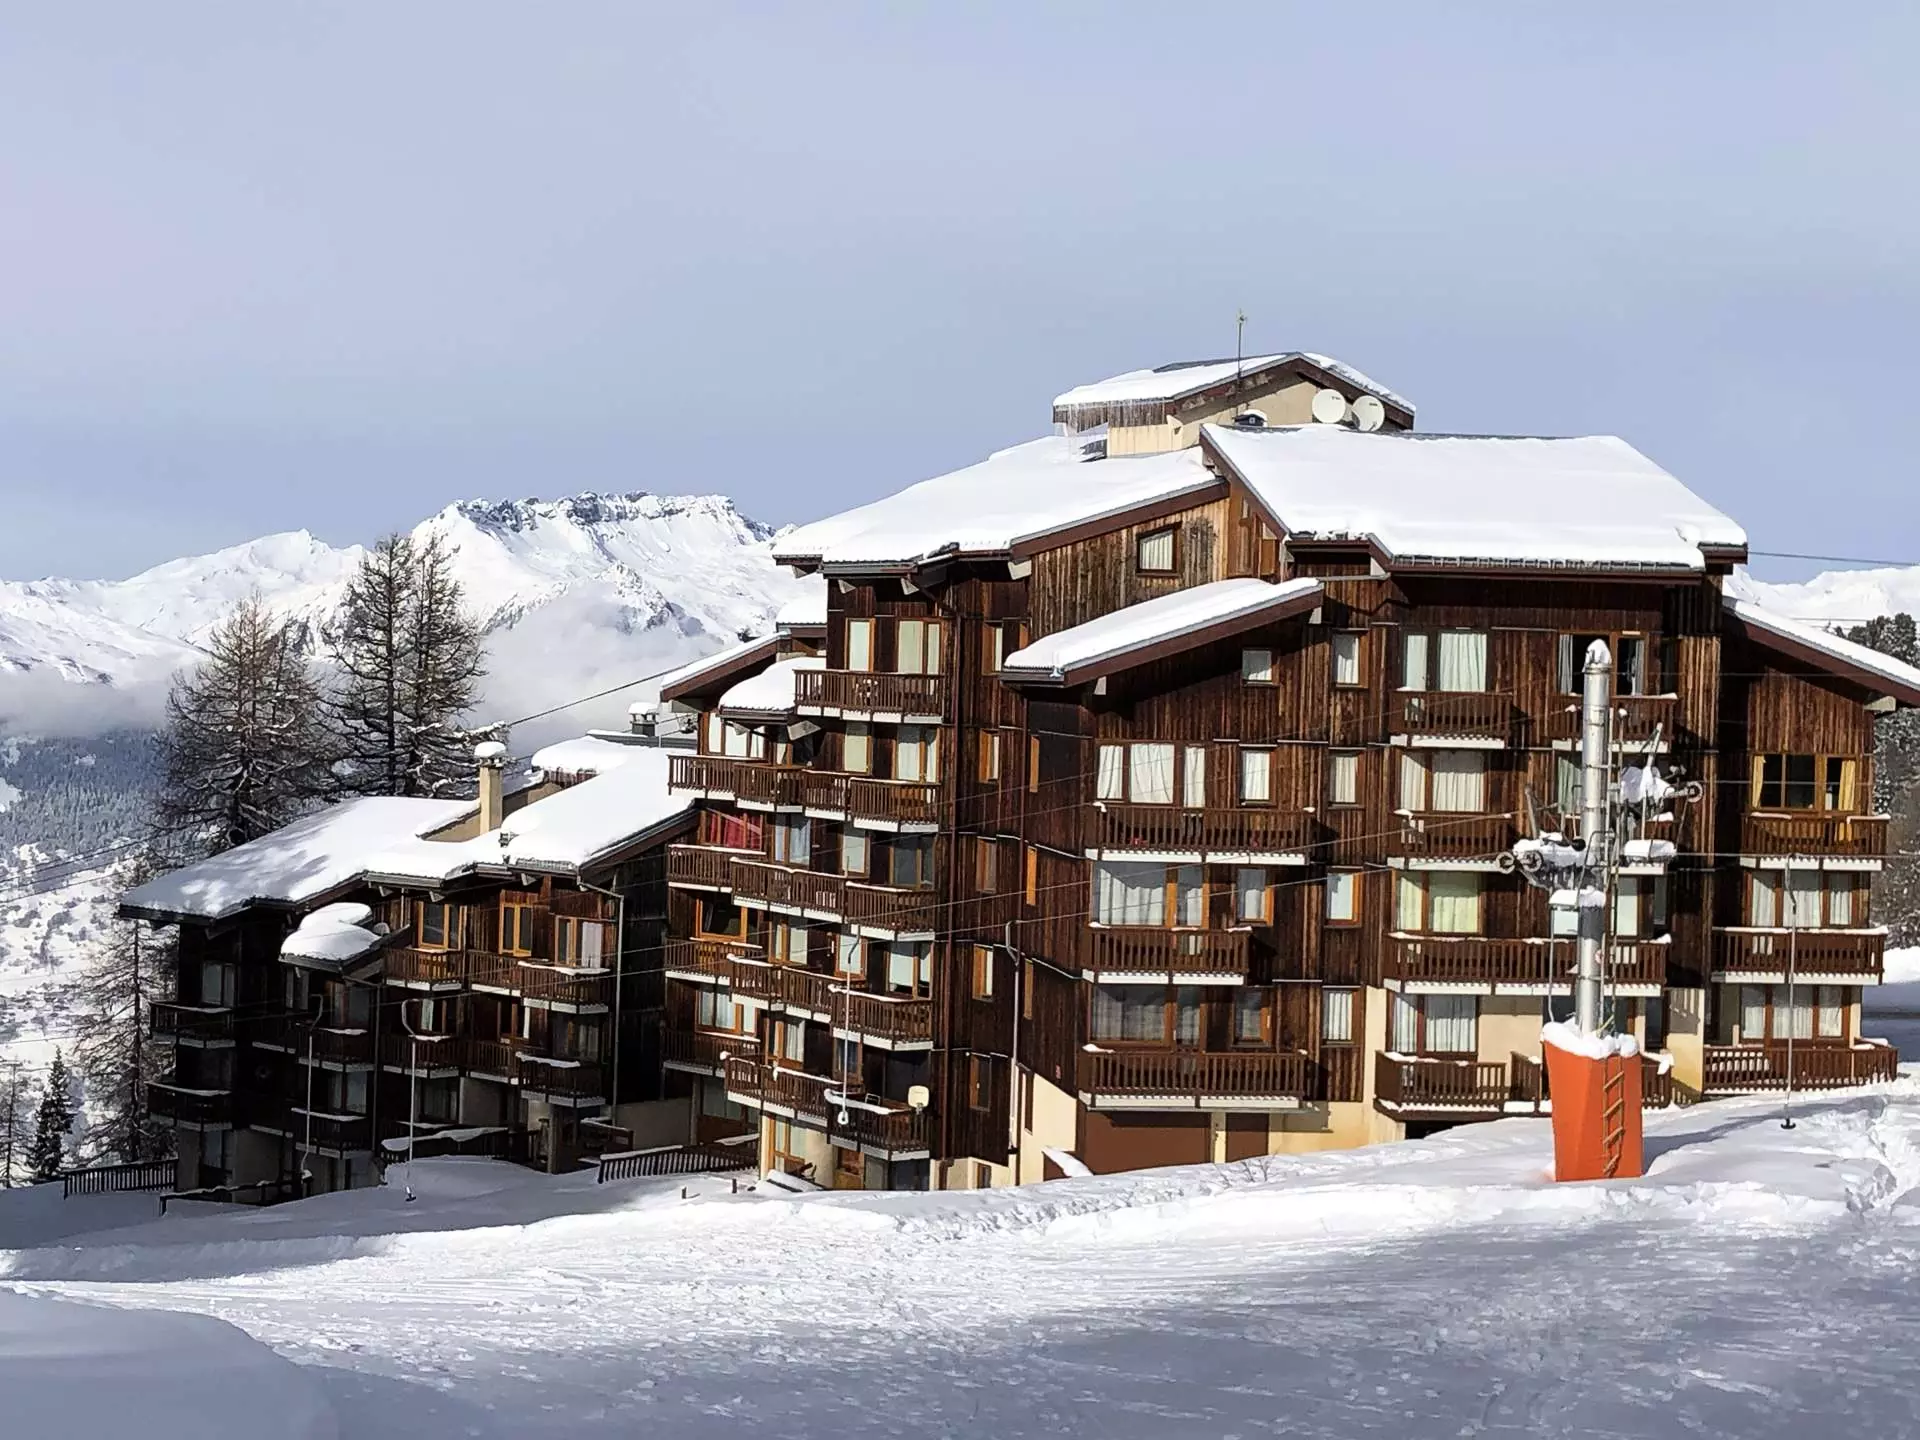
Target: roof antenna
column 1239, row 337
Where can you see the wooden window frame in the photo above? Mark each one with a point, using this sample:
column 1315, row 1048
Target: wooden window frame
column 699, row 921
column 987, row 770
column 1420, row 880
column 1169, row 1038
column 1352, row 992
column 1359, row 759
column 521, row 927
column 1777, row 1004
column 1265, row 917
column 986, row 865
column 1822, row 762
column 450, row 931
column 1140, row 542
column 1264, row 676
column 932, row 656
column 983, row 972
column 865, row 730
column 1264, row 999
column 1240, row 776
column 861, row 948
column 1422, row 1049
column 849, row 832
column 1359, row 638
column 872, row 630
column 1358, row 877
column 1653, row 666
column 1860, row 908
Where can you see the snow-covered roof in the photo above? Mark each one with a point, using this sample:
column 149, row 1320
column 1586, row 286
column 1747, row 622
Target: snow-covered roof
column 771, row 692
column 716, row 666
column 567, row 831
column 1011, row 498
column 333, row 934
column 1169, row 383
column 806, row 610
column 583, row 755
column 1864, row 664
column 1589, row 502
column 296, row 863
column 1131, row 635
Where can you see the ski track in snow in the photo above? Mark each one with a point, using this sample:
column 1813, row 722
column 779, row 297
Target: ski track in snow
column 1758, row 1281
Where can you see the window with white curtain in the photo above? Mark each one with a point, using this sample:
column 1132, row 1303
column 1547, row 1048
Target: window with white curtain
column 1406, row 1025
column 1413, row 782
column 1186, row 1015
column 1803, row 898
column 1452, row 1023
column 1256, row 776
column 1463, row 660
column 1831, row 1022
column 1753, row 1012
column 1256, row 667
column 916, row 754
column 1459, row 781
column 1413, row 661
column 1112, row 781
column 716, row 733
column 1839, row 899
column 856, row 750
column 1626, row 906
column 859, row 644
column 1343, row 897
column 849, row 954
column 1453, row 902
column 1193, row 783
column 792, row 839
column 1129, row 1013
column 1150, row 774
column 1336, row 1017
column 1346, row 657
column 1129, row 893
column 1250, row 894
column 1343, row 777
column 1566, row 785
column 917, row 647
column 1190, row 896
column 1153, row 552
column 1249, row 1016
column 855, row 856
column 1407, row 898
column 1763, row 908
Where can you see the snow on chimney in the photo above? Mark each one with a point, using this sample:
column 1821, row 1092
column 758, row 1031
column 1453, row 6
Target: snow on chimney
column 491, row 757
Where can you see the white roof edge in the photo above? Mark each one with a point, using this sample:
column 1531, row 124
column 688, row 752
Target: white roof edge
column 1885, row 667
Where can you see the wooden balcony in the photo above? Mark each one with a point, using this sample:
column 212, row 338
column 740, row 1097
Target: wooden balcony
column 1635, row 718
column 1860, row 837
column 340, row 1047
column 435, row 969
column 489, row 1059
column 1755, row 956
column 834, row 897
column 1415, row 963
column 194, row 1109
column 704, row 962
column 566, row 986
column 1153, row 950
column 895, row 1022
column 192, row 1024
column 1449, row 835
column 748, row 782
column 330, row 1134
column 702, row 867
column 901, row 804
column 1194, row 1079
column 1453, row 715
column 872, row 1124
column 883, row 1128
column 1423, row 1088
column 742, row 1074
column 559, row 1081
column 1741, row 1069
column 1237, row 831
column 427, row 1055
column 705, row 1052
column 872, row 695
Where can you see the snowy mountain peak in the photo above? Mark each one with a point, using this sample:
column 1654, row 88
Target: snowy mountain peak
column 590, row 508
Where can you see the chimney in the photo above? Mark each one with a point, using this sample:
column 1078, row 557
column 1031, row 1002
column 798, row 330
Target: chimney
column 491, row 756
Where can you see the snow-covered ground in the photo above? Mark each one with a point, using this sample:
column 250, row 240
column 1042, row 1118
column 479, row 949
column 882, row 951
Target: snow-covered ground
column 1758, row 1282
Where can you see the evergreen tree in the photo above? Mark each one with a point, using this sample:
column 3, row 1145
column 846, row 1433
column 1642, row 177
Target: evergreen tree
column 410, row 662
column 243, row 751
column 16, row 1126
column 1896, row 783
column 128, row 971
column 47, row 1154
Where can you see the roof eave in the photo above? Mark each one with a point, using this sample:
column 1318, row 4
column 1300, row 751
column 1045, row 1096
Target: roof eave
column 1133, row 656
column 1826, row 660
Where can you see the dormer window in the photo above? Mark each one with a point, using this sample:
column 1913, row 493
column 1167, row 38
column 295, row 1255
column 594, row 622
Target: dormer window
column 1155, row 553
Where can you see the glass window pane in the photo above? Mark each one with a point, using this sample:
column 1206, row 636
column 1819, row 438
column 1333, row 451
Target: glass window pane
column 1451, row 1023
column 1839, row 899
column 1156, row 551
column 1336, row 1016
column 857, row 749
column 1112, row 782
column 1459, row 781
column 910, row 647
column 1453, row 902
column 1413, row 783
column 1150, row 774
column 1800, row 782
column 1803, row 898
column 1406, row 1026
column 1249, row 1017
column 1463, row 660
column 860, row 644
column 1343, row 893
column 1250, row 894
column 1194, row 781
column 1190, row 893
column 1772, row 773
column 1833, row 1012
column 1764, row 905
column 1413, row 658
column 1186, row 1010
column 1256, row 779
column 1753, row 1012
column 1129, row 894
column 1256, row 666
column 1406, row 901
column 1346, row 657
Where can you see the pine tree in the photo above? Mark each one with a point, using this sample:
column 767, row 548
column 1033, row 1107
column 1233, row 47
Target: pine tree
column 1896, row 783
column 410, row 660
column 16, row 1126
column 47, row 1155
column 127, row 972
column 243, row 751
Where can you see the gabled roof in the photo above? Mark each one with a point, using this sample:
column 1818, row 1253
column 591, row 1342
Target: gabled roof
column 1146, row 397
column 1835, row 654
column 296, row 864
column 1004, row 505
column 1484, row 501
column 1156, row 628
column 720, row 668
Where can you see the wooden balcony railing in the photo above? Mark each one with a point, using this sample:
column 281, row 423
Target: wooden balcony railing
column 1415, row 960
column 1728, row 1069
column 1403, row 1085
column 742, row 1076
column 345, row 1134
column 1192, row 1076
column 406, row 1054
column 1169, row 827
column 895, row 1129
column 1152, row 949
column 202, row 1024
column 708, row 960
column 1449, row 835
column 489, row 1058
column 298, row 1036
column 183, row 1105
column 435, row 969
column 1465, row 714
column 566, row 985
column 886, row 907
column 1778, row 833
column 910, row 803
column 834, row 896
column 1744, row 952
column 754, row 782
column 538, row 1074
column 862, row 692
column 1635, row 718
column 706, row 1050
column 705, row 867
column 896, row 1019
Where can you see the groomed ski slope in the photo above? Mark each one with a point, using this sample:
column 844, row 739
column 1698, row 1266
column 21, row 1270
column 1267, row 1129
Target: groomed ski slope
column 1758, row 1283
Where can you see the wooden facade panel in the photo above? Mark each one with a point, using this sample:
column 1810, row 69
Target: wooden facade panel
column 1094, row 577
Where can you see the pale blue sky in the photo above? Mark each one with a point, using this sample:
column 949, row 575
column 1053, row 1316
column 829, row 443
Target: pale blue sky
column 273, row 266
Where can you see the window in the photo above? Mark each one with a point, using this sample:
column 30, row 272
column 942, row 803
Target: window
column 1193, row 780
column 989, row 756
column 1805, row 782
column 1414, row 652
column 1413, row 783
column 1343, row 897
column 1150, row 774
column 1256, row 776
column 986, row 865
column 849, row 956
column 1435, row 1024
column 1636, row 667
column 979, row 1086
column 856, row 748
column 437, row 922
column 982, row 972
column 1033, row 876
column 1346, row 658
column 718, row 1010
column 216, row 983
column 917, row 647
column 856, row 852
column 1440, row 902
column 732, row 830
column 790, row 1040
column 1452, row 660
column 1343, row 777
column 916, row 753
column 1809, row 1012
column 992, row 649
column 1256, row 667
column 792, row 839
column 1147, row 893
column 1145, row 1015
column 1566, row 785
column 1249, row 1017
column 787, row 942
column 1459, row 781
column 1252, row 901
column 1336, row 1017
column 859, row 644
column 741, row 743
column 1804, row 899
column 909, row 969
column 580, row 942
column 910, row 864
column 1155, row 552
column 1033, row 765
column 719, row 916
column 516, row 927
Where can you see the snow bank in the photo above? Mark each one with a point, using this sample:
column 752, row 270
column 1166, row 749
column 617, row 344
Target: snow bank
column 86, row 1371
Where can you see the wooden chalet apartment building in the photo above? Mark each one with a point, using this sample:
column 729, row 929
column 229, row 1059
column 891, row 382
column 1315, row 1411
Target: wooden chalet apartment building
column 1136, row 797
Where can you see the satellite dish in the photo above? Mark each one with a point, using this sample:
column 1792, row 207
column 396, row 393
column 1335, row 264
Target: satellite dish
column 1329, row 407
column 918, row 1097
column 1368, row 413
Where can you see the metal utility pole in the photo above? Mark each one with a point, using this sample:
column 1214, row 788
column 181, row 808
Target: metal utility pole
column 1596, row 768
column 413, row 1093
